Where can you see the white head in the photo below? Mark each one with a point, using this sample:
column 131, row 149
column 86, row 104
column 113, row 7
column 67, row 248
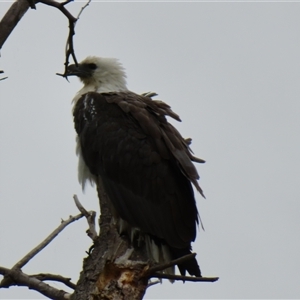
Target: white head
column 100, row 75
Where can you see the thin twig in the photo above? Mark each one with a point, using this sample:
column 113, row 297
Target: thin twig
column 184, row 278
column 90, row 217
column 69, row 49
column 53, row 277
column 70, row 44
column 169, row 264
column 21, row 279
column 45, row 242
column 72, row 22
column 6, row 281
column 83, row 8
column 19, row 8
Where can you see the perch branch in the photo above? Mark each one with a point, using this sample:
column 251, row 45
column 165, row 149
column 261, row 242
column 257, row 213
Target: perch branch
column 21, row 279
column 53, row 277
column 169, row 264
column 184, row 278
column 90, row 217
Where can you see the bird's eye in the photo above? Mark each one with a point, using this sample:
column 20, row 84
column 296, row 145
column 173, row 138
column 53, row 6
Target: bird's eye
column 92, row 66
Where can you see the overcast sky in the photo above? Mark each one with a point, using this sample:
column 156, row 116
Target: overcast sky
column 230, row 70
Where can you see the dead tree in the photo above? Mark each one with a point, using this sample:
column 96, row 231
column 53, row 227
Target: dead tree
column 113, row 269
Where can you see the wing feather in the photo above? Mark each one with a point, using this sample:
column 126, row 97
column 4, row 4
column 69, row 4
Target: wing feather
column 145, row 164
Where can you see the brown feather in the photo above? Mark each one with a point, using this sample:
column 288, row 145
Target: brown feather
column 145, row 164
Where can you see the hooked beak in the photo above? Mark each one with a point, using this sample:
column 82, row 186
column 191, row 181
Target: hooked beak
column 81, row 70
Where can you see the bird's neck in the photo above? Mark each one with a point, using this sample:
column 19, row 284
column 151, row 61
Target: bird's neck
column 104, row 87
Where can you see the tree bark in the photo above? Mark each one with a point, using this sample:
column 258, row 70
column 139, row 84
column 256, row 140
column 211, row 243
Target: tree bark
column 114, row 269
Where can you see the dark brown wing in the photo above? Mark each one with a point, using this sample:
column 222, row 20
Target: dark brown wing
column 145, row 164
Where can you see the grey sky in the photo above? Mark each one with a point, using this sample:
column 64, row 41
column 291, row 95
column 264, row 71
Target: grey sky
column 230, row 70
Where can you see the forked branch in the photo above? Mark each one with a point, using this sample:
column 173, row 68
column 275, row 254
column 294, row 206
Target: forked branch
column 15, row 276
column 90, row 217
column 19, row 8
column 21, row 279
column 46, row 241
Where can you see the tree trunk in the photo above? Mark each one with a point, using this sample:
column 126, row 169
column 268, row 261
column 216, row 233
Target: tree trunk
column 114, row 269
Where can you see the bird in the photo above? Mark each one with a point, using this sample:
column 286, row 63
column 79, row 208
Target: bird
column 145, row 165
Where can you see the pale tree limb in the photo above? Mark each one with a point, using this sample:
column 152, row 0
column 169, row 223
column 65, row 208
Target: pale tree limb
column 11, row 19
column 21, row 279
column 7, row 280
column 46, row 241
column 83, row 8
column 15, row 276
column 90, row 217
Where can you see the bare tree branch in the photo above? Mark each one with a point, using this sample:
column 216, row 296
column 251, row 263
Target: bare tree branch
column 72, row 22
column 184, row 278
column 70, row 44
column 6, row 281
column 169, row 264
column 90, row 217
column 46, row 241
column 60, row 6
column 154, row 271
column 21, row 279
column 15, row 276
column 11, row 19
column 53, row 277
column 19, row 8
column 83, row 8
